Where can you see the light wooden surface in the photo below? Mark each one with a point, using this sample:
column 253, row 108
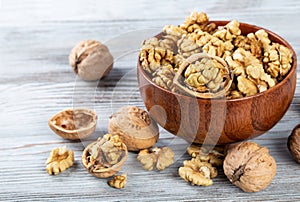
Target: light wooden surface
column 36, row 82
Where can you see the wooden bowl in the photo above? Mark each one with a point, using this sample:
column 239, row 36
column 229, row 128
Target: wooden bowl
column 220, row 121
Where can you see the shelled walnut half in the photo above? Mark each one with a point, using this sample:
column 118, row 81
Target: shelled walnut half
column 197, row 172
column 74, row 124
column 249, row 166
column 213, row 156
column 105, row 157
column 157, row 158
column 135, row 127
column 118, row 181
column 59, row 160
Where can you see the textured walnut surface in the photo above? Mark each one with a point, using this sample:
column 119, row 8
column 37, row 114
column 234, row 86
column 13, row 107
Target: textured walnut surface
column 105, row 157
column 294, row 143
column 118, row 181
column 59, row 160
column 135, row 127
column 249, row 166
column 91, row 60
column 156, row 158
column 257, row 63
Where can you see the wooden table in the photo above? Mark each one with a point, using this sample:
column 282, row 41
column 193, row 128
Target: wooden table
column 36, row 82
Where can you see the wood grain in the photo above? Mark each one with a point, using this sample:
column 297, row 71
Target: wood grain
column 36, row 82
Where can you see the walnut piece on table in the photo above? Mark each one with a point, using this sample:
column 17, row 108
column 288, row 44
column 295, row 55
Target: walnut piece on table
column 118, row 181
column 214, row 156
column 157, row 158
column 197, row 172
column 59, row 160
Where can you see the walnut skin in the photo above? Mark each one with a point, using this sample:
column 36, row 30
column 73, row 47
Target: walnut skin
column 294, row 143
column 249, row 166
column 135, row 127
column 74, row 124
column 157, row 158
column 105, row 157
column 91, row 60
column 59, row 160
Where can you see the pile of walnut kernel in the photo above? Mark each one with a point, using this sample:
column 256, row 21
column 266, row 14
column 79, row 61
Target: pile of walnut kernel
column 256, row 62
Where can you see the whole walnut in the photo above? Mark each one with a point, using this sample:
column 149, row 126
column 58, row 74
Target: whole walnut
column 91, row 60
column 249, row 166
column 294, row 143
column 135, row 127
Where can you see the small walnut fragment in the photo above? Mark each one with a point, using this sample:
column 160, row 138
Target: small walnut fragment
column 105, row 157
column 206, row 153
column 74, row 124
column 91, row 60
column 249, row 166
column 59, row 160
column 197, row 172
column 294, row 143
column 118, row 181
column 156, row 158
column 135, row 127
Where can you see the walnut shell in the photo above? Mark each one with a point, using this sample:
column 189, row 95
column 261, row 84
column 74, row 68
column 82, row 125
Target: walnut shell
column 74, row 124
column 102, row 171
column 135, row 127
column 91, row 60
column 249, row 166
column 294, row 143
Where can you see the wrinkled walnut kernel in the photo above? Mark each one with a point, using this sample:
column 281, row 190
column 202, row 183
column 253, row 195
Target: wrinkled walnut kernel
column 197, row 172
column 214, row 156
column 118, row 181
column 105, row 157
column 249, row 166
column 157, row 158
column 59, row 160
column 257, row 63
column 294, row 143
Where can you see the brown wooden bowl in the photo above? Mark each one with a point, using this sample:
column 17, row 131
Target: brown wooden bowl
column 220, row 121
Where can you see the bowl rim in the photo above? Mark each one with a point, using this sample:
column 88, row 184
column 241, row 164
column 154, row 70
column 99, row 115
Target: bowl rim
column 222, row 23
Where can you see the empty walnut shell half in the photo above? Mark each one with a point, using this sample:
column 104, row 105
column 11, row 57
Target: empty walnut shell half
column 105, row 157
column 135, row 127
column 74, row 124
column 249, row 166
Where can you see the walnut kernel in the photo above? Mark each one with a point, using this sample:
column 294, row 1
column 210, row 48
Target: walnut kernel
column 91, row 60
column 118, row 181
column 294, row 143
column 157, row 158
column 249, row 166
column 105, row 157
column 197, row 172
column 214, row 156
column 74, row 124
column 59, row 160
column 135, row 127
